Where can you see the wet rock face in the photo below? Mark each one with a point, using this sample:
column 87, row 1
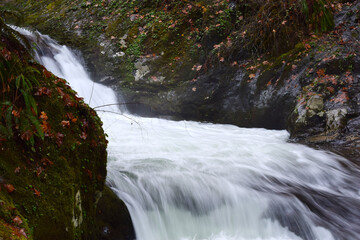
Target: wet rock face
column 310, row 90
column 113, row 220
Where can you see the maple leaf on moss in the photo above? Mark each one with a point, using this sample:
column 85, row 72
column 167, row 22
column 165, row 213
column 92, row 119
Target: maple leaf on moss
column 65, row 123
column 43, row 116
column 17, row 220
column 36, row 192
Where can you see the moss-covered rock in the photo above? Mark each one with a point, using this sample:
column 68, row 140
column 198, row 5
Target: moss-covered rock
column 113, row 219
column 53, row 151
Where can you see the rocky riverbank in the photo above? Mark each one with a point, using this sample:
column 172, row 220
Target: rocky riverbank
column 223, row 62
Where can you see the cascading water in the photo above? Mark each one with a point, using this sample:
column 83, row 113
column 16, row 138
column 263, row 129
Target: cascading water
column 195, row 181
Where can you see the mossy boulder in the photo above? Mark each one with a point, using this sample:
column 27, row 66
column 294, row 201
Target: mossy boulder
column 112, row 218
column 52, row 151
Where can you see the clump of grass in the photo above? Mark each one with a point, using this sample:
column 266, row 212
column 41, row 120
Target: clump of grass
column 277, row 26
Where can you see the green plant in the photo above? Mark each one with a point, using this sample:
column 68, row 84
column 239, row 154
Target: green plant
column 18, row 113
column 318, row 14
column 279, row 25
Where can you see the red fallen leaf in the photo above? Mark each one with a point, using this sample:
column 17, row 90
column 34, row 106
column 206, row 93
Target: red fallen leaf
column 17, row 220
column 349, row 78
column 331, row 89
column 99, row 177
column 67, row 100
column 39, row 170
column 33, row 111
column 59, row 80
column 321, row 72
column 216, row 46
column 74, row 120
column 69, row 115
column 20, row 232
column 10, row 188
column 307, row 46
column 46, row 128
column 17, row 170
column 47, row 73
column 36, row 192
column 83, row 135
column 268, row 84
column 59, row 137
column 59, row 90
column 43, row 91
column 65, row 123
column 46, row 161
column 6, row 53
column 251, row 68
column 331, row 79
column 79, row 99
column 26, row 135
column 93, row 143
column 89, row 173
column 342, row 97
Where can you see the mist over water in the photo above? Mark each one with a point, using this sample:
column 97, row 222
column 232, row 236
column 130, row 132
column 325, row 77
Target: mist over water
column 200, row 181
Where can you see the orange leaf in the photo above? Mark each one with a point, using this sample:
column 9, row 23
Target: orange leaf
column 36, row 192
column 15, row 113
column 46, row 161
column 321, row 72
column 17, row 170
column 45, row 127
column 331, row 89
column 17, row 220
column 47, row 73
column 43, row 116
column 65, row 123
column 251, row 76
column 43, row 90
column 10, row 188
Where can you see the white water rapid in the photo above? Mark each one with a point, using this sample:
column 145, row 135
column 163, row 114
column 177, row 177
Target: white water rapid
column 201, row 181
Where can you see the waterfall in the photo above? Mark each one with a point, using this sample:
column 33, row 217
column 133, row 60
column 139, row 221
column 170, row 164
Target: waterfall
column 184, row 180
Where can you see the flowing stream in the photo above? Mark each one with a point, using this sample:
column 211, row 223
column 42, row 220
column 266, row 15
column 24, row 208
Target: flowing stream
column 184, row 180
